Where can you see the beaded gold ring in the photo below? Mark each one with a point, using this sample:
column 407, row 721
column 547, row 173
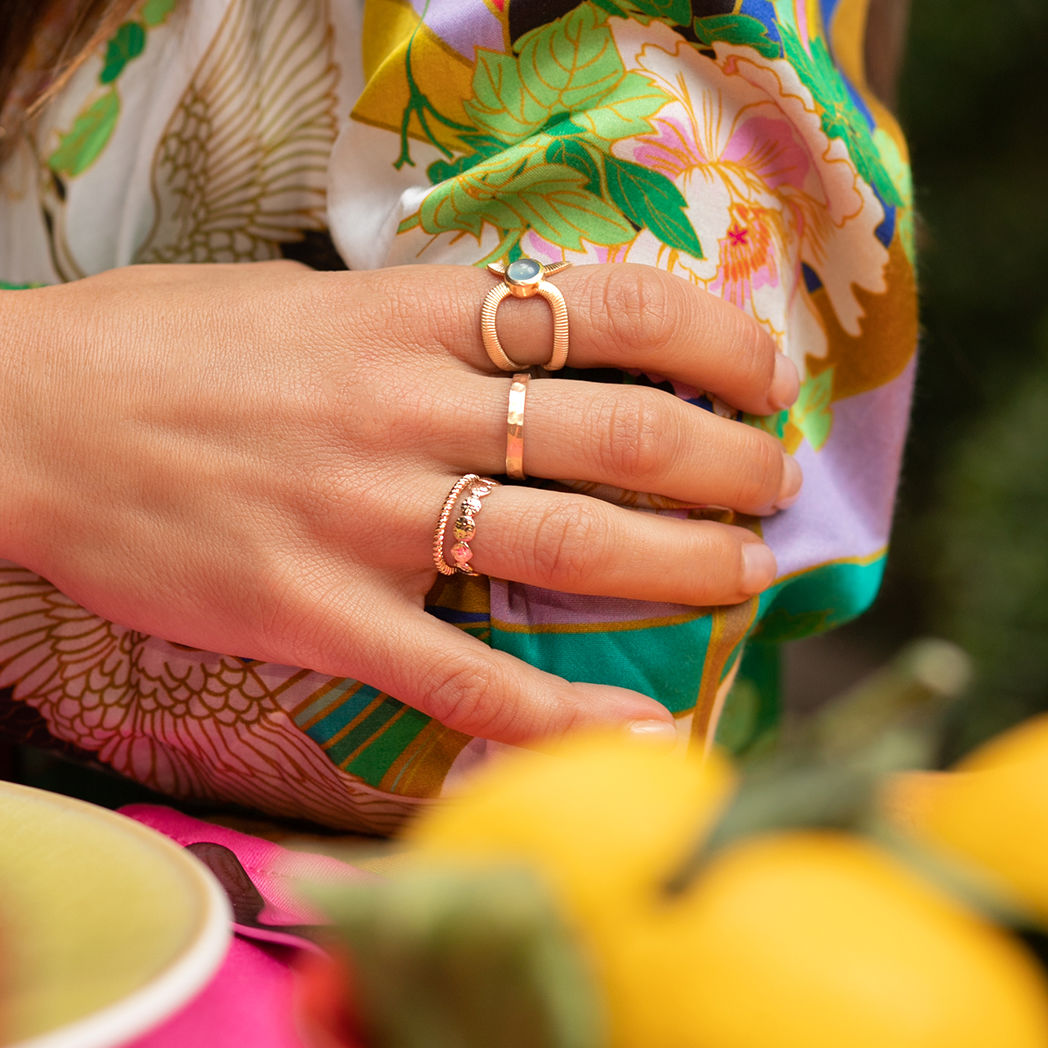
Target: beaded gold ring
column 475, row 488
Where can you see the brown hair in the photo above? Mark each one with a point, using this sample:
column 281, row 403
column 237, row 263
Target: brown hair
column 87, row 24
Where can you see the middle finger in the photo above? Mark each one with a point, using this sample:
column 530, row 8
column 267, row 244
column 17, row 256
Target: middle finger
column 631, row 437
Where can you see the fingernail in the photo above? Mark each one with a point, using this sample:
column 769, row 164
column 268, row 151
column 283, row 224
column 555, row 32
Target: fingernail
column 792, row 479
column 785, row 383
column 758, row 567
column 654, row 730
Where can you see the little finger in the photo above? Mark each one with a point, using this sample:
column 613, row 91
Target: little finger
column 470, row 687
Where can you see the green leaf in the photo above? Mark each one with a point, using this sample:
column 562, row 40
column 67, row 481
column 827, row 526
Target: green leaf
column 622, row 9
column 155, row 12
column 569, row 153
column 128, row 42
column 571, row 63
column 559, row 125
column 550, row 199
column 674, row 12
column 624, row 112
column 828, row 766
column 501, row 106
column 445, row 957
column 650, row 200
column 773, row 424
column 812, row 414
column 740, row 30
column 569, row 69
column 483, row 146
column 79, row 147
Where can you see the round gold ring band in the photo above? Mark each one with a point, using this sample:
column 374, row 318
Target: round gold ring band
column 525, row 278
column 518, row 392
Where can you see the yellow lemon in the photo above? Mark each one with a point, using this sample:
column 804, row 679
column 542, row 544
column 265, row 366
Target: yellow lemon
column 601, row 817
column 991, row 812
column 1025, row 744
column 819, row 940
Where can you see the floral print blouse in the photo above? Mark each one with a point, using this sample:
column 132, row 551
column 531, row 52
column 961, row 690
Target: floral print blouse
column 732, row 142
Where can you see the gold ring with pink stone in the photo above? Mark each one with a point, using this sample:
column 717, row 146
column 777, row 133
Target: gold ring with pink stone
column 470, row 489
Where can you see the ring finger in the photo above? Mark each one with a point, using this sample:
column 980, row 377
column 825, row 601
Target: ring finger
column 576, row 544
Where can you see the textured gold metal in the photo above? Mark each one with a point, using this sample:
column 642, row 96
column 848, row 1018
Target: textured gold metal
column 518, row 392
column 476, row 488
column 525, row 288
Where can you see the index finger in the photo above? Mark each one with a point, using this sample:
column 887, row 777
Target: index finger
column 631, row 316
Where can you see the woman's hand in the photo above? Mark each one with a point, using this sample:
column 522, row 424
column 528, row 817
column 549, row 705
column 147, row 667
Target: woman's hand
column 251, row 459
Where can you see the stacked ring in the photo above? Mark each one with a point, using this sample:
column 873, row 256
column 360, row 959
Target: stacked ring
column 523, row 278
column 518, row 392
column 475, row 488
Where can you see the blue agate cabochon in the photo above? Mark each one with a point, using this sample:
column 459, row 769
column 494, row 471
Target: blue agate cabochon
column 523, row 270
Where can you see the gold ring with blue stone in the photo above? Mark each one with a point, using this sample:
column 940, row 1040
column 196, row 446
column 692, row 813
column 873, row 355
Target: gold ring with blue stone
column 524, row 278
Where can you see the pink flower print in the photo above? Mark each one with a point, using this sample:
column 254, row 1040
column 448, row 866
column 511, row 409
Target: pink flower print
column 748, row 260
column 771, row 197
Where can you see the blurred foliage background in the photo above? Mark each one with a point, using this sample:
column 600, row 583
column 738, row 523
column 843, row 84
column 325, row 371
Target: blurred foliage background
column 969, row 559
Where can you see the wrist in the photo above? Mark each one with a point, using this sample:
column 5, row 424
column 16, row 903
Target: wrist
column 22, row 410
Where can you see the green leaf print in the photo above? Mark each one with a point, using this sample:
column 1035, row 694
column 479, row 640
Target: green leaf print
column 741, row 30
column 544, row 120
column 502, row 107
column 567, row 72
column 571, row 63
column 773, row 424
column 569, row 153
column 625, row 112
column 128, row 42
column 650, row 200
column 484, row 146
column 563, row 67
column 79, row 147
column 560, row 126
column 672, row 12
column 155, row 12
column 548, row 198
column 676, row 11
column 812, row 414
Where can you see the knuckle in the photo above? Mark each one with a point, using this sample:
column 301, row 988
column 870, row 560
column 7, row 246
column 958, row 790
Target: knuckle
column 464, row 690
column 753, row 348
column 320, row 497
column 635, row 435
column 566, row 540
column 638, row 307
column 760, row 481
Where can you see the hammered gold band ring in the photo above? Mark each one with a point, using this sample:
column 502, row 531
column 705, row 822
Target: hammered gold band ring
column 518, row 392
column 474, row 488
column 524, row 278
